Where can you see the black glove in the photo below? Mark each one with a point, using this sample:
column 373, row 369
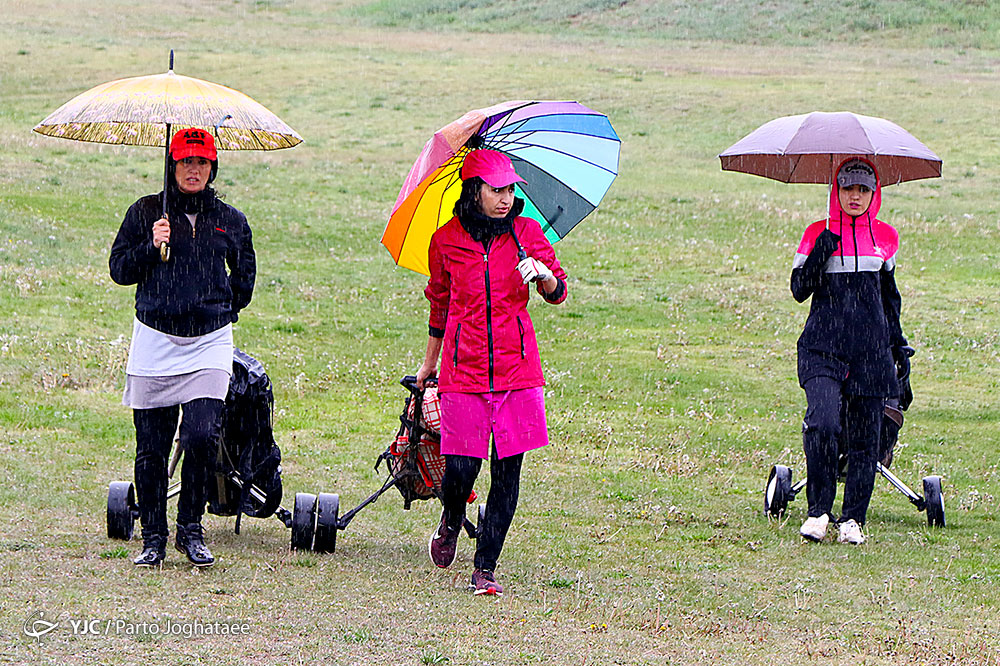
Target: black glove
column 901, row 357
column 809, row 277
column 826, row 245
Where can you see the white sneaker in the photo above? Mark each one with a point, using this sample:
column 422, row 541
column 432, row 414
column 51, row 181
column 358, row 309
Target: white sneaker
column 814, row 529
column 850, row 532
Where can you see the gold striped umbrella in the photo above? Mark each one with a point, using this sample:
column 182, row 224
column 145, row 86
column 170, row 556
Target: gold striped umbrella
column 139, row 111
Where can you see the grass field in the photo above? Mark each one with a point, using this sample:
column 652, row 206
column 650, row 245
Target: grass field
column 671, row 368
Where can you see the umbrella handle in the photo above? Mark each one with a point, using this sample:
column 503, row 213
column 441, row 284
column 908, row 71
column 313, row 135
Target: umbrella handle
column 164, row 247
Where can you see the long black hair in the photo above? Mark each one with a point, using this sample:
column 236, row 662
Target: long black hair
column 469, row 212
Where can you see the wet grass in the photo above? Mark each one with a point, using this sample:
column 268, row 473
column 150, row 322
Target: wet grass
column 932, row 23
column 671, row 368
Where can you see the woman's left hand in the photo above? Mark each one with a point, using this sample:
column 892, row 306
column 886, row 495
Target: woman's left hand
column 532, row 270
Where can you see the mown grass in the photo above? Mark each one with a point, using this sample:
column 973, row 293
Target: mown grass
column 671, row 368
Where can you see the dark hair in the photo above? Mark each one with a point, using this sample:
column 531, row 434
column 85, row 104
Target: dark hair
column 467, row 206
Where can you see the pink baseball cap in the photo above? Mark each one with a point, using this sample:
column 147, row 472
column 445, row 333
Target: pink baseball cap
column 492, row 166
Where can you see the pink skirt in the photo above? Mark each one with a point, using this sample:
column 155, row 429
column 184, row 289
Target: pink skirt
column 515, row 419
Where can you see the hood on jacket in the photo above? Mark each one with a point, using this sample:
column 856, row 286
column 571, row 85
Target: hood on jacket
column 857, row 234
column 837, row 214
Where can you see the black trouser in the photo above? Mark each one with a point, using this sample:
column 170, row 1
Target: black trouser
column 154, row 434
column 460, row 474
column 830, row 417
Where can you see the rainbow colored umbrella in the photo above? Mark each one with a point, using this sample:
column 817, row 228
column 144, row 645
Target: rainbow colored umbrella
column 567, row 153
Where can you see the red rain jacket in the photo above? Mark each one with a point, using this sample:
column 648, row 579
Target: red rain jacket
column 478, row 300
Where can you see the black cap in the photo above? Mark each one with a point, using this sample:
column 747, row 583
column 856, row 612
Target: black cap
column 856, row 172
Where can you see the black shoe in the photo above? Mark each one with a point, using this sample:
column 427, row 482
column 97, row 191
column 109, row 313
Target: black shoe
column 191, row 541
column 153, row 551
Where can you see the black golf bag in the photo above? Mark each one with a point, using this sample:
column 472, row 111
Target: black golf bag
column 247, row 446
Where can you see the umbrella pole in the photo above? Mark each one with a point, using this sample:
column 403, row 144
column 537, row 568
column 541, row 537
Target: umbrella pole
column 164, row 247
column 521, row 254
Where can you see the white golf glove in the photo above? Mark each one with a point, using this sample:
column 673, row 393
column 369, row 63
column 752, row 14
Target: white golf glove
column 532, row 270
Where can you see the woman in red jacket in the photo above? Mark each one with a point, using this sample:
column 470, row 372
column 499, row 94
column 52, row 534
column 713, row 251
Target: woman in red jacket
column 491, row 382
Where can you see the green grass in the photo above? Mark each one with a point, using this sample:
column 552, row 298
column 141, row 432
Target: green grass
column 934, row 23
column 671, row 368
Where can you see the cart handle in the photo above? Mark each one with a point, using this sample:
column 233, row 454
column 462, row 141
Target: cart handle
column 410, row 382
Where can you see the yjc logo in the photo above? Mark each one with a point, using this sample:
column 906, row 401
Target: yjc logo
column 87, row 627
column 37, row 626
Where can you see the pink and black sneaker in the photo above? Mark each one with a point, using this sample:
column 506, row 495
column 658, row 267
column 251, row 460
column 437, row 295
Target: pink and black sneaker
column 484, row 582
column 443, row 545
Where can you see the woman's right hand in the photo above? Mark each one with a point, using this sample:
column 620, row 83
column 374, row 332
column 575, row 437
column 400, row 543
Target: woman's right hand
column 424, row 373
column 161, row 232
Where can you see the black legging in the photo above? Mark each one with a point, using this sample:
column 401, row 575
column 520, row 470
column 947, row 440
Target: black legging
column 460, row 474
column 154, row 434
column 827, row 408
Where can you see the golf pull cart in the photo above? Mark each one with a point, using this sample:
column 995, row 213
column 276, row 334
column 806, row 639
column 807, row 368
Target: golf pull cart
column 415, row 468
column 247, row 476
column 780, row 490
column 247, row 479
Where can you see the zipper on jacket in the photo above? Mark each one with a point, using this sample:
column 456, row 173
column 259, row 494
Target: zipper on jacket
column 854, row 235
column 489, row 317
column 458, row 330
column 520, row 329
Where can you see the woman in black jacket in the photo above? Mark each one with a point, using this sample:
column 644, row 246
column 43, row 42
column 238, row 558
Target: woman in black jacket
column 182, row 340
column 848, row 350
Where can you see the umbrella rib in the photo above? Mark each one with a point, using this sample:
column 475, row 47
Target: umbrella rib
column 450, row 183
column 445, row 175
column 495, row 142
column 563, row 152
column 506, row 145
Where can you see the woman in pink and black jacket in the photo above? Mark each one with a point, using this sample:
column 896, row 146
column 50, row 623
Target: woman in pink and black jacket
column 491, row 383
column 849, row 347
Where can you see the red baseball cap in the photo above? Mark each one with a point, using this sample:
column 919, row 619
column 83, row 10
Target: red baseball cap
column 492, row 166
column 193, row 142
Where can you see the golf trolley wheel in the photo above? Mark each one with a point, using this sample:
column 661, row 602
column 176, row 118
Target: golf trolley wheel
column 303, row 517
column 935, row 501
column 778, row 491
column 121, row 510
column 327, row 510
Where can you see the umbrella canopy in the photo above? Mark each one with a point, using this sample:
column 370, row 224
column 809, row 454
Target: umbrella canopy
column 567, row 153
column 139, row 111
column 808, row 147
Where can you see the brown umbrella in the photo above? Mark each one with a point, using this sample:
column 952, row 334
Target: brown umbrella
column 807, row 148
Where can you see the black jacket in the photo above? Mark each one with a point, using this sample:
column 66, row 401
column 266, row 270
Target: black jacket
column 192, row 293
